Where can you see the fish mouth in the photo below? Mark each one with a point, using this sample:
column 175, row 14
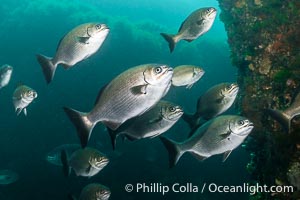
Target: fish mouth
column 212, row 13
column 101, row 164
column 104, row 27
column 176, row 115
column 234, row 90
column 247, row 129
column 34, row 95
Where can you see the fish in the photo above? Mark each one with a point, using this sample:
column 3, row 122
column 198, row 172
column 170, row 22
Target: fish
column 85, row 162
column 220, row 135
column 196, row 24
column 54, row 156
column 22, row 97
column 5, row 75
column 285, row 117
column 215, row 101
column 79, row 44
column 93, row 191
column 186, row 75
column 151, row 124
column 8, row 176
column 128, row 95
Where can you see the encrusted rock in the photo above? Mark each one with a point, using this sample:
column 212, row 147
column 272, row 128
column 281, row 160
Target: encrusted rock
column 293, row 174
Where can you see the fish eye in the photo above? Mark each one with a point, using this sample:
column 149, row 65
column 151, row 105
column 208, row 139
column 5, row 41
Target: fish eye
column 228, row 87
column 102, row 192
column 158, row 70
column 241, row 122
column 172, row 109
column 98, row 26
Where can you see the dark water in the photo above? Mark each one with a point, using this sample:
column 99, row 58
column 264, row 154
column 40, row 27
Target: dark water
column 30, row 27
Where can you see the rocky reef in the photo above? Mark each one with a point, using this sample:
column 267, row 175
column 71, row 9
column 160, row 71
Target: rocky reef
column 264, row 37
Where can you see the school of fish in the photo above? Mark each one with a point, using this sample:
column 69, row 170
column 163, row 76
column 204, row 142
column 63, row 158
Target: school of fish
column 131, row 105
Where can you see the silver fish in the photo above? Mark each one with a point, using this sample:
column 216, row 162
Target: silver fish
column 128, row 95
column 285, row 117
column 220, row 135
column 186, row 75
column 152, row 123
column 22, row 97
column 5, row 75
column 54, row 156
column 195, row 25
column 94, row 191
column 79, row 44
column 85, row 162
column 212, row 103
column 8, row 177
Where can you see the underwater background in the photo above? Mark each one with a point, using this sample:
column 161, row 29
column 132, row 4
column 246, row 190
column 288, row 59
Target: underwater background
column 31, row 27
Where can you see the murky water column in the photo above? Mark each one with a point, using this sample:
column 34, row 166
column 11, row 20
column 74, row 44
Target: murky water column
column 264, row 37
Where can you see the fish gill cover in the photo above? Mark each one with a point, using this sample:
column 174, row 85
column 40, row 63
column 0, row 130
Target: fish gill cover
column 30, row 27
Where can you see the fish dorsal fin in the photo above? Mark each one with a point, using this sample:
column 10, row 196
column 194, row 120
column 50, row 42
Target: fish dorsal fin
column 198, row 157
column 181, row 26
column 226, row 155
column 83, row 40
column 100, row 93
column 60, row 41
column 19, row 84
column 138, row 90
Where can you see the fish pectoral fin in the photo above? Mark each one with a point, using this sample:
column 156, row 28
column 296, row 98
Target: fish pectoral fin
column 219, row 100
column 18, row 110
column 88, row 169
column 225, row 135
column 199, row 157
column 25, row 111
column 226, row 155
column 138, row 90
column 189, row 86
column 155, row 120
column 199, row 22
column 84, row 40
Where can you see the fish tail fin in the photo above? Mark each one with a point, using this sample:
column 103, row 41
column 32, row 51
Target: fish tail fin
column 83, row 125
column 174, row 150
column 113, row 136
column 170, row 39
column 47, row 66
column 65, row 163
column 282, row 118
